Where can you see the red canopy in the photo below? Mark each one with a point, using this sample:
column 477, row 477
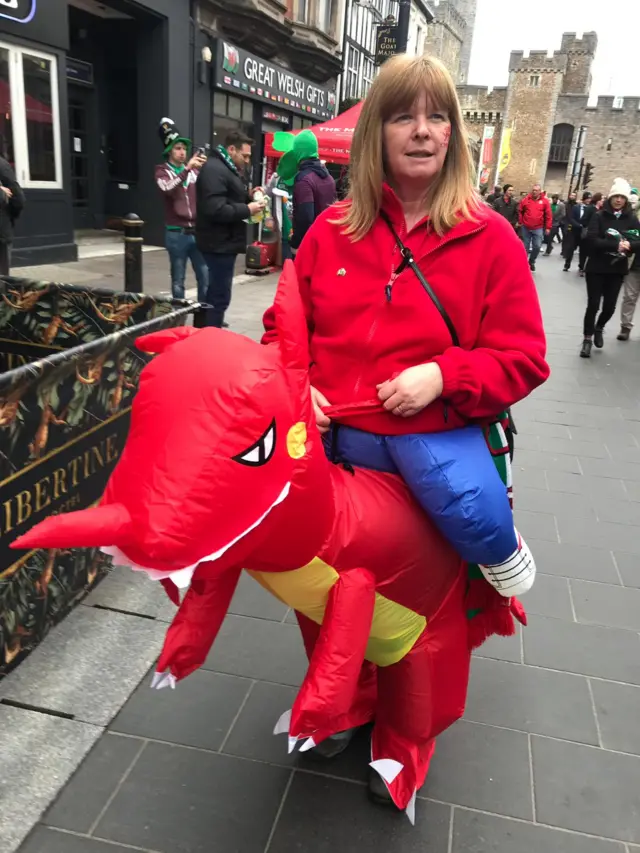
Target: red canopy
column 334, row 137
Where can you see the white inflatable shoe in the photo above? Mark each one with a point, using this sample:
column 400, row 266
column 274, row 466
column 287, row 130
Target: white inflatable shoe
column 515, row 575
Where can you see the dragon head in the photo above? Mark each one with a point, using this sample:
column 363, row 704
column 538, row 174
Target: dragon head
column 222, row 442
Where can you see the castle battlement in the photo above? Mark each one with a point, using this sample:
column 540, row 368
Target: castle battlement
column 447, row 14
column 538, row 60
column 606, row 102
column 588, row 44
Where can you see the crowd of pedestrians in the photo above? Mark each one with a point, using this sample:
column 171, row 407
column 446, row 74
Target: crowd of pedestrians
column 604, row 231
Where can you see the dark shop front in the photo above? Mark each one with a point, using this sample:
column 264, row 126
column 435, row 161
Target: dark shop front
column 84, row 84
column 260, row 97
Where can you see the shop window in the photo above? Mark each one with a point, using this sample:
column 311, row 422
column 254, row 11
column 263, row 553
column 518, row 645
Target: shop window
column 247, row 111
column 30, row 118
column 234, row 108
column 220, row 103
column 296, row 123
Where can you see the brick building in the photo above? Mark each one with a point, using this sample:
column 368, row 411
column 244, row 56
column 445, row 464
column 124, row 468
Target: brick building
column 543, row 109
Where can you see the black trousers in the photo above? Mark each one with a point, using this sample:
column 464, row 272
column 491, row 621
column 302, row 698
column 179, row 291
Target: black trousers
column 600, row 288
column 576, row 242
column 5, row 258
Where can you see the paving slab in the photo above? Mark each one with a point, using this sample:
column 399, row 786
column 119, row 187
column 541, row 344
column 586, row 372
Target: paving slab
column 38, row 754
column 88, row 666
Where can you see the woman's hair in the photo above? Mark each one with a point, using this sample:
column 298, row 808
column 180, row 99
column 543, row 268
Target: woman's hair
column 451, row 197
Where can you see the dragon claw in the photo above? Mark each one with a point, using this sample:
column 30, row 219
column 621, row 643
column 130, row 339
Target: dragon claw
column 410, row 810
column 388, row 768
column 307, row 745
column 163, row 679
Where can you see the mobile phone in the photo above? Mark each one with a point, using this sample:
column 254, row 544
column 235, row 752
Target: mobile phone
column 201, row 152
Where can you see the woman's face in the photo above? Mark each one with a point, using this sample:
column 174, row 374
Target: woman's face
column 618, row 202
column 416, row 143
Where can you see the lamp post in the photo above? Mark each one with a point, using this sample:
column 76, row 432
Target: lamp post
column 404, row 17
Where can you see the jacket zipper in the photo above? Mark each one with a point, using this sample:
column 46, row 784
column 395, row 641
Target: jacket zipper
column 388, row 292
column 186, row 195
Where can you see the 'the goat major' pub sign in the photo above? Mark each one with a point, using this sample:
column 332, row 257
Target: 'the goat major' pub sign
column 20, row 11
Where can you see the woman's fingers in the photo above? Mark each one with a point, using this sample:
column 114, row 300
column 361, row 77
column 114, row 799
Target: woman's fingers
column 323, row 422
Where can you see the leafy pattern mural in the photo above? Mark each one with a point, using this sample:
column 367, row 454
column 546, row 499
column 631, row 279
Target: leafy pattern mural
column 70, row 373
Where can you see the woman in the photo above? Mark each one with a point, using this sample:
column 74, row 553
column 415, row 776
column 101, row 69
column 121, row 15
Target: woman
column 374, row 331
column 613, row 236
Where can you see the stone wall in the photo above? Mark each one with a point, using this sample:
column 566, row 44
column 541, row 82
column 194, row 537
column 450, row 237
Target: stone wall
column 483, row 106
column 607, row 126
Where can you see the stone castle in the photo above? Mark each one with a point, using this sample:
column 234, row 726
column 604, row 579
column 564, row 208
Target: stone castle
column 545, row 106
column 450, row 36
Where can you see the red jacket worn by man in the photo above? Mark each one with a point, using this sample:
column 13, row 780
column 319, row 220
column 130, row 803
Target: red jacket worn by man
column 360, row 338
column 535, row 213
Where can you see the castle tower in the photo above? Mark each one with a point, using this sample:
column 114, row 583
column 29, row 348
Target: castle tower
column 468, row 9
column 580, row 55
column 535, row 83
column 446, row 35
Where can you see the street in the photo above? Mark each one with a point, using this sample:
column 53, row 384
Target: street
column 546, row 760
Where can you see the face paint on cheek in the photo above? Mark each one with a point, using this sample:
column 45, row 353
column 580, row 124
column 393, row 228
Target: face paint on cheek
column 446, row 138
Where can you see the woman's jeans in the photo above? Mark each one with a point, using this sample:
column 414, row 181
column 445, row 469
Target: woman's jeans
column 603, row 288
column 182, row 248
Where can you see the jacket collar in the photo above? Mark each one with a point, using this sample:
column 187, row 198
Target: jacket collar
column 393, row 208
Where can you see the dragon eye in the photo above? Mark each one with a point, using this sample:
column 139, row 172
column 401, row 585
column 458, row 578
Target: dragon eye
column 260, row 452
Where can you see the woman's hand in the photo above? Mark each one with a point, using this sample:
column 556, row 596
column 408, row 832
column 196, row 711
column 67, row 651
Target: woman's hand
column 320, row 402
column 412, row 390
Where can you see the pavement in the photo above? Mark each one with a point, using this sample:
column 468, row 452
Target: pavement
column 546, row 759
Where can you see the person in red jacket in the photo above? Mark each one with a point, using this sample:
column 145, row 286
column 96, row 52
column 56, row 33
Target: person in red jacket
column 379, row 343
column 535, row 220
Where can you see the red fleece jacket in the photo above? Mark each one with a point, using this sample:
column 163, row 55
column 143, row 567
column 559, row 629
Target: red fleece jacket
column 359, row 338
column 535, row 213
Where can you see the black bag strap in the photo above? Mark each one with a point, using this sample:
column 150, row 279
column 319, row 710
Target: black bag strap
column 409, row 261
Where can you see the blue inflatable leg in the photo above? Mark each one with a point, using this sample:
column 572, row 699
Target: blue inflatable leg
column 360, row 449
column 453, row 477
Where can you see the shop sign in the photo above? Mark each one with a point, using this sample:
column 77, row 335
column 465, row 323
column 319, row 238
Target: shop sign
column 387, row 42
column 243, row 72
column 20, row 11
column 268, row 114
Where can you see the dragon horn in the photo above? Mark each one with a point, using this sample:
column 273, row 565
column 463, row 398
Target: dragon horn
column 158, row 342
column 88, row 528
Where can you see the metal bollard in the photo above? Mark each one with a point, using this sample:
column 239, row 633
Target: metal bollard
column 133, row 241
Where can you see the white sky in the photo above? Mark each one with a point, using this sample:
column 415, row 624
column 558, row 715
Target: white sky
column 506, row 25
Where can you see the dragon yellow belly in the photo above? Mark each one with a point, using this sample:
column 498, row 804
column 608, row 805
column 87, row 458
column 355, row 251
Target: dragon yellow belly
column 394, row 629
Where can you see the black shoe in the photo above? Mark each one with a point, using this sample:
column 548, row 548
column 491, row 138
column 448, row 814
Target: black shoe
column 585, row 352
column 624, row 334
column 598, row 339
column 225, row 325
column 532, row 267
column 581, row 272
column 378, row 791
column 565, row 269
column 332, row 746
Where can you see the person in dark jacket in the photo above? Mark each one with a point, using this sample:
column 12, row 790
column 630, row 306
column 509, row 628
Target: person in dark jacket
column 176, row 179
column 11, row 206
column 223, row 207
column 613, row 237
column 314, row 190
column 579, row 212
column 506, row 205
